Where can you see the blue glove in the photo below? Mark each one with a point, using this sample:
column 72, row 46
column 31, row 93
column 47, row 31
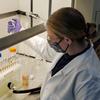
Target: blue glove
column 14, row 26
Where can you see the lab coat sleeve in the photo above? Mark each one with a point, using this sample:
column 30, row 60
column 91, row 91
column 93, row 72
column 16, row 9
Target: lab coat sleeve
column 41, row 47
column 87, row 87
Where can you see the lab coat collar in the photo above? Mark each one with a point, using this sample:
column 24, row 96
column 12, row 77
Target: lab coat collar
column 56, row 60
column 76, row 62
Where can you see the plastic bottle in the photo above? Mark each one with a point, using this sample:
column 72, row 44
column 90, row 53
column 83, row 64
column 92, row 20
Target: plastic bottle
column 12, row 56
column 0, row 61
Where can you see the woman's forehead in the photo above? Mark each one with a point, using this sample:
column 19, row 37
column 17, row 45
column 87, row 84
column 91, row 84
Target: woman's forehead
column 51, row 34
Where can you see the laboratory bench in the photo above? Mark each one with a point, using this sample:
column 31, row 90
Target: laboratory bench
column 12, row 96
column 35, row 69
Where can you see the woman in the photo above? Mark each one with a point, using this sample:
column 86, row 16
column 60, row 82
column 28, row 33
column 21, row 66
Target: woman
column 75, row 74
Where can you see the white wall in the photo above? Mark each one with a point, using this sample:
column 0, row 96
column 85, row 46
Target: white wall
column 24, row 5
column 56, row 4
column 86, row 8
column 8, row 5
column 41, row 7
column 12, row 5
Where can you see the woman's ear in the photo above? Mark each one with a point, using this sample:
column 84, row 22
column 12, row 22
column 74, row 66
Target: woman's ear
column 68, row 40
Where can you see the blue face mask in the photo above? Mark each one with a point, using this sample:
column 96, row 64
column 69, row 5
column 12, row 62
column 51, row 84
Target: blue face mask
column 56, row 46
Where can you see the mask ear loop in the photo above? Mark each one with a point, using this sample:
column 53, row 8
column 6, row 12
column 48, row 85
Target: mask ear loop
column 64, row 51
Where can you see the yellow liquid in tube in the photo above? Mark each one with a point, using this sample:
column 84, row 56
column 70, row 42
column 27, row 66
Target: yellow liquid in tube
column 25, row 81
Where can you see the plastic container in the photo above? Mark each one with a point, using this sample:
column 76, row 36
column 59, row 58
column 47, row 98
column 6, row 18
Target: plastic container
column 0, row 61
column 12, row 56
column 25, row 81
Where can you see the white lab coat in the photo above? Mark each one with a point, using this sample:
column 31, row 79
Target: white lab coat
column 78, row 80
column 40, row 45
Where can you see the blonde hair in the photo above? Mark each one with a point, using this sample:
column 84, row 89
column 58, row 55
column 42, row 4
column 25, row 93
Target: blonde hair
column 69, row 22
